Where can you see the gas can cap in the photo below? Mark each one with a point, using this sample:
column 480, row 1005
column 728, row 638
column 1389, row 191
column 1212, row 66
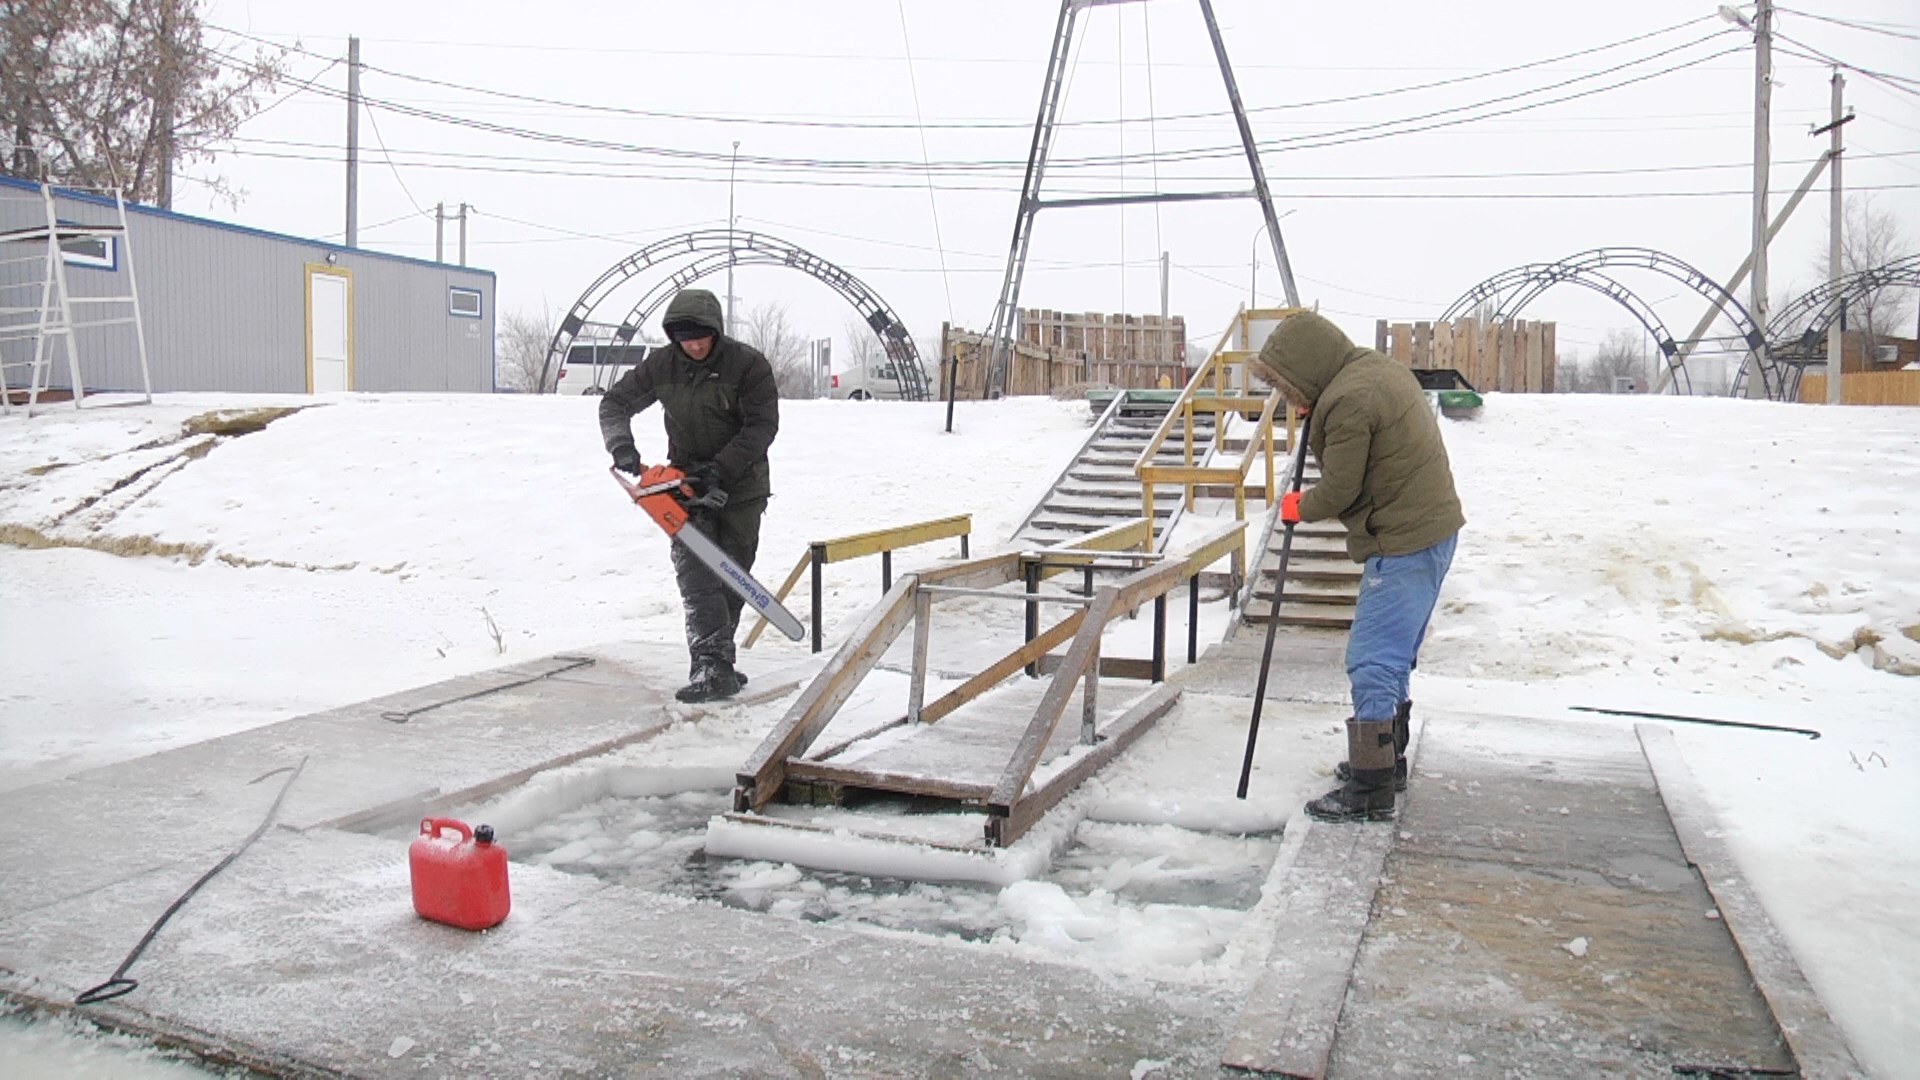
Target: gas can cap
column 483, row 834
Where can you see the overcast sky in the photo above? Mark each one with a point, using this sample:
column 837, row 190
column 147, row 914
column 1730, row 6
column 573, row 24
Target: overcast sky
column 838, row 107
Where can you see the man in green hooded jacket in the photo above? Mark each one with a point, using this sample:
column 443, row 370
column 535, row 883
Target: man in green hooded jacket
column 722, row 411
column 1384, row 475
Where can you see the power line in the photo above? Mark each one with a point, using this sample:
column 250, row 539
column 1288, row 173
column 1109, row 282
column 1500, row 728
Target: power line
column 1007, row 124
column 1871, row 28
column 933, row 205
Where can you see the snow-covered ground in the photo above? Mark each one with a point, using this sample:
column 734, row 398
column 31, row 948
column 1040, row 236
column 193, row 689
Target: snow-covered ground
column 1736, row 560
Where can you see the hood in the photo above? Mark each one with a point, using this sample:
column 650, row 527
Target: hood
column 699, row 306
column 1308, row 351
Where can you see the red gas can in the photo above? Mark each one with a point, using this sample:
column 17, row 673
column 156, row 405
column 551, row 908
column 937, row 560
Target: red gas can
column 461, row 883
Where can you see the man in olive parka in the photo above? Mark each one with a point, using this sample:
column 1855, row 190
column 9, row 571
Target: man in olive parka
column 1384, row 474
column 722, row 412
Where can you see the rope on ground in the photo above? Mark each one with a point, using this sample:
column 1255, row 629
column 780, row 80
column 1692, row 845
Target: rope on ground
column 119, row 984
column 402, row 716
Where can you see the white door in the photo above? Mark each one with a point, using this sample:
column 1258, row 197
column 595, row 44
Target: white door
column 329, row 329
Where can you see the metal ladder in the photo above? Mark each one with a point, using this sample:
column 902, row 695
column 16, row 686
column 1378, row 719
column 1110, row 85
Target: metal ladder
column 52, row 322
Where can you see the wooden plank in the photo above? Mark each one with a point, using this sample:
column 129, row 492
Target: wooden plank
column 1132, row 533
column 1208, row 550
column 1122, row 596
column 765, row 769
column 1422, row 345
column 760, row 622
column 1400, row 343
column 1111, row 667
column 975, row 573
column 1816, row 1041
column 836, row 831
column 871, row 543
column 1288, row 1023
column 1443, row 346
column 1005, row 828
column 922, row 637
column 1180, row 474
column 853, row 776
column 1003, row 668
column 1550, row 357
column 1533, row 344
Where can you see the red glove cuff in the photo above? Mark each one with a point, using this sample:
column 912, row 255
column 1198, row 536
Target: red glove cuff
column 1290, row 508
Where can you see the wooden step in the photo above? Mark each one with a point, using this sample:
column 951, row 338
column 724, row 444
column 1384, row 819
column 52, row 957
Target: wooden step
column 1329, row 616
column 1120, row 508
column 1307, row 592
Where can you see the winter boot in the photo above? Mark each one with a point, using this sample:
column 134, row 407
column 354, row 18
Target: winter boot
column 711, row 682
column 1368, row 794
column 1402, row 735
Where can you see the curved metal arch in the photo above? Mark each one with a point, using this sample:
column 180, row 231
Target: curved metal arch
column 713, row 250
column 1520, row 286
column 1802, row 326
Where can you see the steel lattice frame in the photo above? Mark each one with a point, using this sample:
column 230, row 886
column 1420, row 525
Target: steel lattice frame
column 713, row 250
column 1797, row 335
column 1514, row 289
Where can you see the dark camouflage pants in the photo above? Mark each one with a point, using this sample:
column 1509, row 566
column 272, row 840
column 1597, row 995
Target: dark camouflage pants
column 712, row 609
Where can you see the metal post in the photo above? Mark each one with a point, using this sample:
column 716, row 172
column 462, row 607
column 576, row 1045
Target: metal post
column 1033, row 612
column 1160, row 638
column 819, row 560
column 1836, row 211
column 440, row 232
column 886, row 572
column 1166, row 354
column 1193, row 619
column 463, row 234
column 353, row 142
column 963, row 546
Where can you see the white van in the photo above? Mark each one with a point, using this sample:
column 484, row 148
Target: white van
column 879, row 381
column 591, row 367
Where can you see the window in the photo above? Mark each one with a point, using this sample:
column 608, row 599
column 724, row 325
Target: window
column 94, row 251
column 463, row 302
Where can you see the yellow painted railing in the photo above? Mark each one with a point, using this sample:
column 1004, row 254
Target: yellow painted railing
column 1221, row 385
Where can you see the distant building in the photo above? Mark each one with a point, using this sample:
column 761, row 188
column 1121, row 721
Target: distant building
column 230, row 308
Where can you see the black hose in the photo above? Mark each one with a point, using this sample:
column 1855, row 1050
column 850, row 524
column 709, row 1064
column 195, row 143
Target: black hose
column 119, row 984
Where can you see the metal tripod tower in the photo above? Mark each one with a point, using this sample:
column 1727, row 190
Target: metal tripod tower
column 1006, row 311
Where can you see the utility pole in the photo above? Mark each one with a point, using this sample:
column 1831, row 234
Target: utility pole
column 730, row 220
column 1762, row 156
column 439, row 232
column 353, row 142
column 463, row 234
column 1836, row 225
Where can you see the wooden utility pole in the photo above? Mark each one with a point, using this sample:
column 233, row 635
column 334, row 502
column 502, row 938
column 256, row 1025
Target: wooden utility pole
column 1762, row 156
column 1836, row 225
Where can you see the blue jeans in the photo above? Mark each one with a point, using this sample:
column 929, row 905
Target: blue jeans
column 1397, row 594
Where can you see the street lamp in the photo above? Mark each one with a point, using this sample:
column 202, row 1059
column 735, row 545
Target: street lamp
column 730, row 223
column 1253, row 267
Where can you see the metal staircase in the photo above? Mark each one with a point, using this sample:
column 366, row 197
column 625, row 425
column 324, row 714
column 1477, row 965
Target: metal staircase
column 1100, row 487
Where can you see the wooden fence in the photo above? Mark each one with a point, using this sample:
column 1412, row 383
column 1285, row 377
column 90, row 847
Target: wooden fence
column 1512, row 356
column 1865, row 388
column 1034, row 370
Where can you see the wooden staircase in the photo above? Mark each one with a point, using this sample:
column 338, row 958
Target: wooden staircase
column 1100, row 487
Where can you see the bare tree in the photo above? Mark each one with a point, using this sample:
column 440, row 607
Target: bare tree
column 766, row 327
column 1873, row 238
column 119, row 93
column 521, row 352
column 1622, row 356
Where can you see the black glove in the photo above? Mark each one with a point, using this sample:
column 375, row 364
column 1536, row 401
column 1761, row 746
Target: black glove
column 704, row 481
column 626, row 458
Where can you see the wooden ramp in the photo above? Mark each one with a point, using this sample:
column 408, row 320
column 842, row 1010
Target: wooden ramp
column 1008, row 756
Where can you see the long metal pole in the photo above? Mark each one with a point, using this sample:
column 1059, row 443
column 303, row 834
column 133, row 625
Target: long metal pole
column 1273, row 613
column 439, row 232
column 353, row 142
column 1253, row 157
column 463, row 234
column 1762, row 155
column 1837, row 216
